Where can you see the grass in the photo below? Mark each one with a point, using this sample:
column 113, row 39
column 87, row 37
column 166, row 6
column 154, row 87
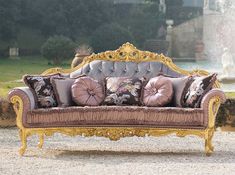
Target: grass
column 11, row 71
column 230, row 94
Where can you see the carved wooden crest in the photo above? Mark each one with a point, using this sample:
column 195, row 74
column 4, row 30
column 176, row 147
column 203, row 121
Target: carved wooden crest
column 128, row 52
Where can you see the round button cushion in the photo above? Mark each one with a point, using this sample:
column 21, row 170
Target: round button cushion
column 87, row 91
column 158, row 91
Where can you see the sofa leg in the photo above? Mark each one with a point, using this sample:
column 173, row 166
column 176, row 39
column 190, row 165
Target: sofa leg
column 23, row 138
column 41, row 140
column 208, row 142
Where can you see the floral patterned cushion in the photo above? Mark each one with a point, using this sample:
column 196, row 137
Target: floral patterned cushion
column 42, row 89
column 199, row 87
column 123, row 91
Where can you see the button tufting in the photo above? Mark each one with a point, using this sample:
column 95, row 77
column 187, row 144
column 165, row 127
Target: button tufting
column 91, row 92
column 154, row 91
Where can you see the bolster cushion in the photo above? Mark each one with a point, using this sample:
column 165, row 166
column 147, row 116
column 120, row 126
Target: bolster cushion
column 87, row 91
column 158, row 91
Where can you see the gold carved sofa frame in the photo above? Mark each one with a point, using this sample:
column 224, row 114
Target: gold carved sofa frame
column 127, row 52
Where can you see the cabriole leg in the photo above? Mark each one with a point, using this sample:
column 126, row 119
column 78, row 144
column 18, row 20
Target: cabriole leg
column 41, row 140
column 23, row 138
column 208, row 142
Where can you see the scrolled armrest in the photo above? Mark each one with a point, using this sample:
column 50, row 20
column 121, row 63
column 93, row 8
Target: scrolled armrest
column 213, row 93
column 210, row 104
column 23, row 101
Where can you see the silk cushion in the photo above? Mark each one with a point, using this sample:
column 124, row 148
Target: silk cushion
column 198, row 88
column 158, row 91
column 123, row 91
column 62, row 89
column 42, row 89
column 87, row 91
column 180, row 86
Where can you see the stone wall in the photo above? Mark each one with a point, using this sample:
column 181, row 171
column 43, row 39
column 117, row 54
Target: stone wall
column 7, row 114
column 185, row 36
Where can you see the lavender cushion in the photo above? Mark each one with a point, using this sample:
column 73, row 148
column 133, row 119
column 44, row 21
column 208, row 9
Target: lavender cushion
column 180, row 86
column 62, row 89
column 158, row 91
column 87, row 91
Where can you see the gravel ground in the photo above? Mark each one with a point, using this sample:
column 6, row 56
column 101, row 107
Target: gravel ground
column 62, row 155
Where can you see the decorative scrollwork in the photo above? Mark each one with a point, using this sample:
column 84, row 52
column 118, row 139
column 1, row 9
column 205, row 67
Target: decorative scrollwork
column 114, row 133
column 213, row 108
column 18, row 108
column 128, row 52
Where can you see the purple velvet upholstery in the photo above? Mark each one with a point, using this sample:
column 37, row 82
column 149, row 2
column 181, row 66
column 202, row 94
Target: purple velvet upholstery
column 116, row 116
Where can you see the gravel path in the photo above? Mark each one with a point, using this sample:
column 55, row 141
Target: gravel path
column 64, row 155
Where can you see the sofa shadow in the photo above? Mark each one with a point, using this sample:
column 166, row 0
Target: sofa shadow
column 135, row 156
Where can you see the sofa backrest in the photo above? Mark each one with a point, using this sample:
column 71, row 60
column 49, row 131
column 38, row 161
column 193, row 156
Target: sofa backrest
column 127, row 60
column 99, row 69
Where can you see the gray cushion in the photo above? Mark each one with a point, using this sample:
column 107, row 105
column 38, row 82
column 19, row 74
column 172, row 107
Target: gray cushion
column 62, row 89
column 99, row 69
column 180, row 86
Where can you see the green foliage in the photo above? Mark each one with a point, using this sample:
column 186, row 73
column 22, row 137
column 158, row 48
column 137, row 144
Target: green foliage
column 26, row 21
column 30, row 38
column 69, row 18
column 143, row 22
column 109, row 37
column 58, row 48
column 9, row 16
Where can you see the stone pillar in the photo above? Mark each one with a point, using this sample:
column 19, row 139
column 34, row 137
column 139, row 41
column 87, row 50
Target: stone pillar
column 206, row 5
column 169, row 23
column 14, row 53
column 162, row 6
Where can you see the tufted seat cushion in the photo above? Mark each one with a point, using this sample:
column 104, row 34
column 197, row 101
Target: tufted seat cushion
column 99, row 69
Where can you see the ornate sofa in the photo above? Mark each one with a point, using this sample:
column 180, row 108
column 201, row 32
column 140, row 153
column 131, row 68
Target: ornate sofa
column 115, row 122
